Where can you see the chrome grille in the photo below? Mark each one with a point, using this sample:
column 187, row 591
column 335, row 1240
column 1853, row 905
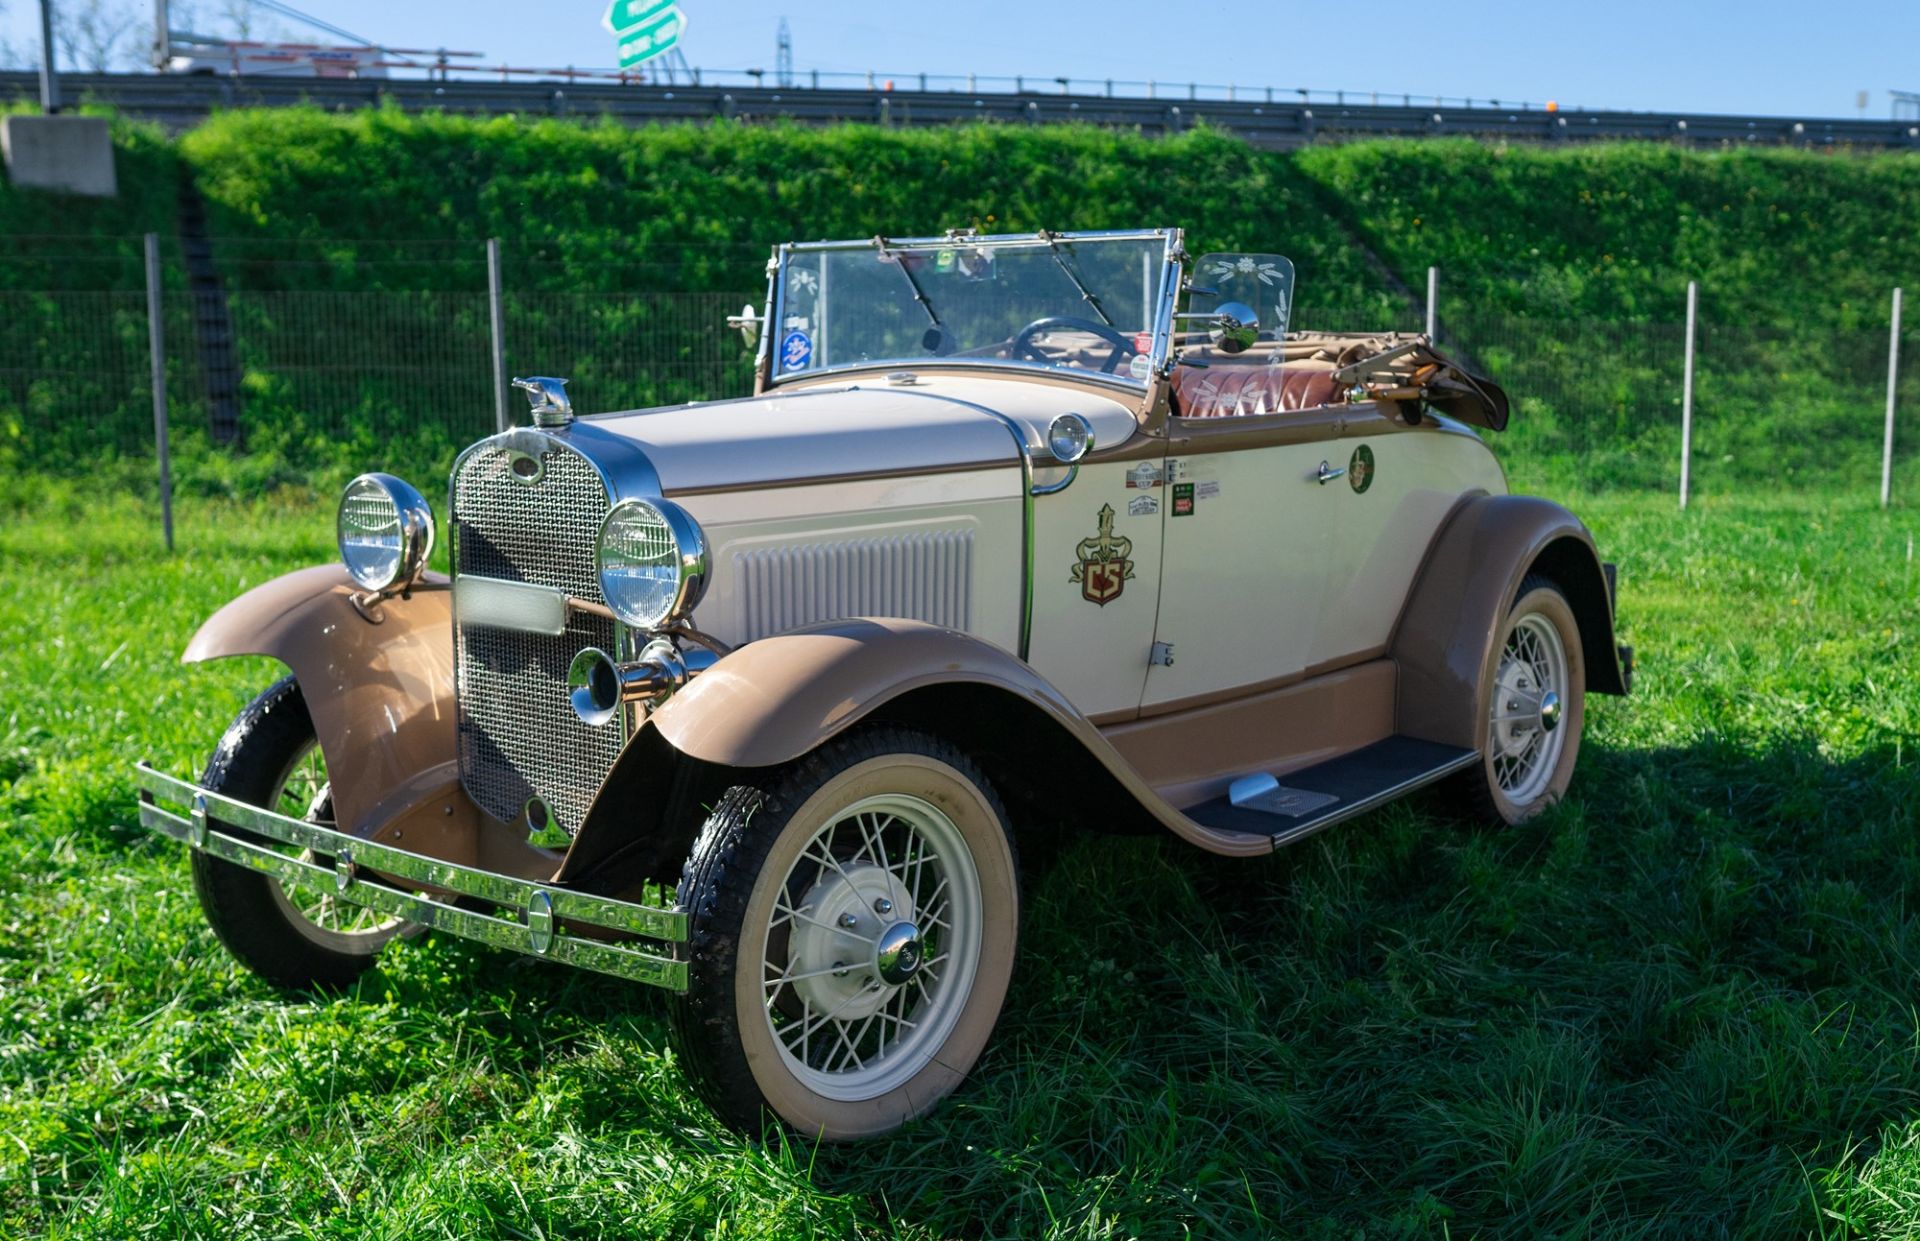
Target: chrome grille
column 519, row 737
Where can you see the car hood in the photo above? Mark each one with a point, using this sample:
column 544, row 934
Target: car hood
column 859, row 428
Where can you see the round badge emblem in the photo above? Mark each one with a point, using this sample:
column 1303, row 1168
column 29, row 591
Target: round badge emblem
column 1360, row 469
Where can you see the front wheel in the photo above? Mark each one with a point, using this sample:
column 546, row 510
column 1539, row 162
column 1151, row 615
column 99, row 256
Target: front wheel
column 294, row 937
column 1535, row 709
column 854, row 920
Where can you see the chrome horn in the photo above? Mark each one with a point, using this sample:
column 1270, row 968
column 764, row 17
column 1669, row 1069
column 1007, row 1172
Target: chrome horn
column 598, row 687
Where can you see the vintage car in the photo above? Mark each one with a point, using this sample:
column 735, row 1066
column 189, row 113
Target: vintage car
column 1005, row 535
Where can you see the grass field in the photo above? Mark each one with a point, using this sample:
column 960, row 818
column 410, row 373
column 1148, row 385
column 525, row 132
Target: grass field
column 1682, row 1004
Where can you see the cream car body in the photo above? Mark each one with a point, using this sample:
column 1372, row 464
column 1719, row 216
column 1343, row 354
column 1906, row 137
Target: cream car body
column 1001, row 526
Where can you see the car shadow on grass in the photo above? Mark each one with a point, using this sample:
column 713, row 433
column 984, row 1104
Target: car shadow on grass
column 1678, row 1002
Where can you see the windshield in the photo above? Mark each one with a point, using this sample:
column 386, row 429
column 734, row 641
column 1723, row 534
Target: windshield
column 1087, row 303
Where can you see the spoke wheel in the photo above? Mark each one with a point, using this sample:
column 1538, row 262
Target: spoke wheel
column 294, row 937
column 1524, row 735
column 854, row 919
column 873, row 947
column 1534, row 704
column 304, row 792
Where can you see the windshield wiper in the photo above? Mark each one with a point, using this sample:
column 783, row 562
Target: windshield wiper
column 1086, row 294
column 919, row 294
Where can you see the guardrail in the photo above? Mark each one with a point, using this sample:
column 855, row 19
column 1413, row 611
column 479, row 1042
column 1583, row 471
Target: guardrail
column 183, row 101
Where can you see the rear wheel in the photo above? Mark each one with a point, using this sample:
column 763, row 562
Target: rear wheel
column 292, row 936
column 854, row 923
column 1535, row 709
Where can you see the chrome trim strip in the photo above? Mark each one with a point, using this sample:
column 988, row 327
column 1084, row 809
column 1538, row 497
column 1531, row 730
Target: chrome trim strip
column 1047, row 489
column 1374, row 801
column 354, row 856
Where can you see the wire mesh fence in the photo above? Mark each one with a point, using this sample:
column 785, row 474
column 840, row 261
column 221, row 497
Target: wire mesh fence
column 367, row 356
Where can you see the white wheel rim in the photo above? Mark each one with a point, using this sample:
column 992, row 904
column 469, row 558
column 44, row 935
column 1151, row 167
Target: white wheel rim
column 881, row 872
column 304, row 792
column 1526, row 738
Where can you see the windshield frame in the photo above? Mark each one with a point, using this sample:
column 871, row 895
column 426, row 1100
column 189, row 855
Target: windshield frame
column 1173, row 257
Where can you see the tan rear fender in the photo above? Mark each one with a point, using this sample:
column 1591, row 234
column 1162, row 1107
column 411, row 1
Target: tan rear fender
column 381, row 695
column 1451, row 630
column 779, row 698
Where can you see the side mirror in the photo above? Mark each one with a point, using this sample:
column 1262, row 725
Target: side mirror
column 1236, row 326
column 748, row 321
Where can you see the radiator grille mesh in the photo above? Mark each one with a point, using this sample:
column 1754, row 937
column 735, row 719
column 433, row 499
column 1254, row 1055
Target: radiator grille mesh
column 519, row 737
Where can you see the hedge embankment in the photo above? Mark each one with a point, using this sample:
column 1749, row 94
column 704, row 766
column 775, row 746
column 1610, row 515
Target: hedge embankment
column 352, row 245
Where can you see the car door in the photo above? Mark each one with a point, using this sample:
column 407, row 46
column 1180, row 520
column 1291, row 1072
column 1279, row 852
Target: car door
column 1382, row 515
column 1096, row 571
column 1244, row 550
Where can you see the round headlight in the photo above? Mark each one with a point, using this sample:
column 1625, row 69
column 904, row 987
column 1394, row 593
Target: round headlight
column 386, row 532
column 653, row 562
column 1069, row 438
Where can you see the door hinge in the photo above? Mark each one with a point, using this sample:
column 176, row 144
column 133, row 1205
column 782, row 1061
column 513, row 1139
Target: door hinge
column 1161, row 656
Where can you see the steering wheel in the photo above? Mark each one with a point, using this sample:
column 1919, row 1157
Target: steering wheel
column 1023, row 339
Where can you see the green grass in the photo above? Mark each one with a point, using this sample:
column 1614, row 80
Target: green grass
column 1682, row 1004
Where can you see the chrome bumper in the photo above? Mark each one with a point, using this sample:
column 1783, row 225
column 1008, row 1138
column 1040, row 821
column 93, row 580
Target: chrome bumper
column 362, row 871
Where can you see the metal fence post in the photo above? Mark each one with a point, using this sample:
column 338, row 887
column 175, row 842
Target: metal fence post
column 157, row 347
column 1686, row 396
column 1893, row 384
column 1433, row 302
column 497, row 313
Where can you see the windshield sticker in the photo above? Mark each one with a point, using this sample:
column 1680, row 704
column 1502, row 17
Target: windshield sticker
column 1143, row 506
column 1182, row 500
column 1360, row 469
column 796, row 351
column 1103, row 562
column 1143, row 342
column 1141, row 366
column 1206, row 489
column 1246, row 265
column 1144, row 476
column 943, row 261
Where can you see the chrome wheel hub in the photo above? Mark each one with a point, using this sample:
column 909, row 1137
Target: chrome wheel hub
column 834, row 957
column 897, row 953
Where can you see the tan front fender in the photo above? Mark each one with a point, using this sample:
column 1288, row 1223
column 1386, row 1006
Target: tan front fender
column 779, row 698
column 1449, row 633
column 381, row 695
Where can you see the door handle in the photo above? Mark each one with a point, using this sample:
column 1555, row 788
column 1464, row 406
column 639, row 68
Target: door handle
column 1327, row 474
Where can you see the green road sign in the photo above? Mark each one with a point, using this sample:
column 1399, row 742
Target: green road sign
column 645, row 28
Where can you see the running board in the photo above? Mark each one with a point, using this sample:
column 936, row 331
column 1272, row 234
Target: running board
column 1305, row 801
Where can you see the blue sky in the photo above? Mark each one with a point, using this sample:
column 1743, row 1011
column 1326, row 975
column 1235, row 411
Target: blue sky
column 1765, row 56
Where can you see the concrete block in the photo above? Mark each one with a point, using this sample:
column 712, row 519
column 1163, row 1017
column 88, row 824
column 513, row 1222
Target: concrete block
column 69, row 154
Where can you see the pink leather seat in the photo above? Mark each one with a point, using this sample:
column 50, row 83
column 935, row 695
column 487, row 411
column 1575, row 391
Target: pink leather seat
column 1226, row 391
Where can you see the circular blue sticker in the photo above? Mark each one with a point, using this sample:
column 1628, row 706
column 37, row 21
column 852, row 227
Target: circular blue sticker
column 796, row 351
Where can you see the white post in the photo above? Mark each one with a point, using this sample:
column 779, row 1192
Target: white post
column 1433, row 302
column 497, row 313
column 162, row 51
column 157, row 348
column 49, row 70
column 1686, row 396
column 1893, row 383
